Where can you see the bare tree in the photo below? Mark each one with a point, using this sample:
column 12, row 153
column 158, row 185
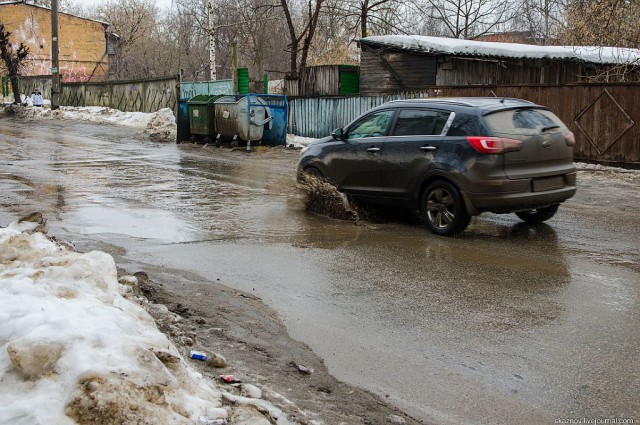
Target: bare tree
column 303, row 34
column 542, row 19
column 603, row 23
column 370, row 17
column 12, row 59
column 612, row 23
column 63, row 5
column 467, row 19
column 135, row 23
column 255, row 27
column 336, row 32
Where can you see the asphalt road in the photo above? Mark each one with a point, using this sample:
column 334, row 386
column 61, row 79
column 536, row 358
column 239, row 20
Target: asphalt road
column 507, row 324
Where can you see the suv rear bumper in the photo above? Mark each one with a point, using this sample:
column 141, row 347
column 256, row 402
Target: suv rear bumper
column 521, row 200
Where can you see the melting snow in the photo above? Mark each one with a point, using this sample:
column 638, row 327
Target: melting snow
column 454, row 46
column 73, row 349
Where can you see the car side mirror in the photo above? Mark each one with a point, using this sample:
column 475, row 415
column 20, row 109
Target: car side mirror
column 338, row 134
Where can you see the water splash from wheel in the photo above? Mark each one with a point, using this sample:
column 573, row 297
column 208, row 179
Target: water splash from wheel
column 323, row 198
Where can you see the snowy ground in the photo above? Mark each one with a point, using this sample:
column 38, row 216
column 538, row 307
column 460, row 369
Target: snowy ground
column 79, row 345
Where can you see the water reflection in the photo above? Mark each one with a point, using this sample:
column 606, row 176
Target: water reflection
column 60, row 202
column 137, row 223
column 488, row 284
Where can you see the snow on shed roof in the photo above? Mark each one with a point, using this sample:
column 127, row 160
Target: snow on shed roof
column 459, row 47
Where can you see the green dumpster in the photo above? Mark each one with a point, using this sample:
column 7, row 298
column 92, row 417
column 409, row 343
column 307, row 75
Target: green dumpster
column 202, row 120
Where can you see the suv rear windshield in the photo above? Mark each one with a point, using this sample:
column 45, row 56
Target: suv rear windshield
column 525, row 122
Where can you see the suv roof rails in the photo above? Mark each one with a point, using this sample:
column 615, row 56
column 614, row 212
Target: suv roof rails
column 451, row 101
column 463, row 101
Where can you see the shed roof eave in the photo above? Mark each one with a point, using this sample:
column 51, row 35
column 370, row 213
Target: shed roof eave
column 470, row 48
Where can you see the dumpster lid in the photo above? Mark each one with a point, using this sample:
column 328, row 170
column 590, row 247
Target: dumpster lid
column 202, row 99
column 228, row 99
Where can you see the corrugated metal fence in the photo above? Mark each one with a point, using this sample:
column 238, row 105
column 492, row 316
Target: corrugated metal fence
column 318, row 117
column 603, row 117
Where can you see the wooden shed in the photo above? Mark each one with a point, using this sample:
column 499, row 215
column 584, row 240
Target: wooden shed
column 82, row 42
column 325, row 80
column 392, row 64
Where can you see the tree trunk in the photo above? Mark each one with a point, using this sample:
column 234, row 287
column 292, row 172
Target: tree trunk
column 15, row 88
column 313, row 23
column 363, row 18
column 12, row 59
column 293, row 65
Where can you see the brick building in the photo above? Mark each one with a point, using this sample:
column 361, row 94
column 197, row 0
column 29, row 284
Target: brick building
column 82, row 42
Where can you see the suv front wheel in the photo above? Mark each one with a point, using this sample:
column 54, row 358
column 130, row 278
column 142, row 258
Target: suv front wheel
column 443, row 209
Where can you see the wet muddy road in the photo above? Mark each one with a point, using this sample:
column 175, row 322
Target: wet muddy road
column 506, row 324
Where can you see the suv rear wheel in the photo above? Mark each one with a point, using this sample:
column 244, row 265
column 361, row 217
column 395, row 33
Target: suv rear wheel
column 538, row 215
column 443, row 209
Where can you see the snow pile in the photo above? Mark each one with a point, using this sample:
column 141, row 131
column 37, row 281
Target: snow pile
column 160, row 125
column 299, row 142
column 74, row 350
column 455, row 46
column 600, row 171
column 6, row 100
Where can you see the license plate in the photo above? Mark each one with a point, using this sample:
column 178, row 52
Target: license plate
column 549, row 183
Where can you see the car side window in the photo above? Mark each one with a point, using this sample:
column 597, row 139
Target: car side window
column 373, row 125
column 420, row 122
column 464, row 125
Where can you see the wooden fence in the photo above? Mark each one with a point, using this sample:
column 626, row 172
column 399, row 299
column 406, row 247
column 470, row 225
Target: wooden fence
column 148, row 95
column 603, row 117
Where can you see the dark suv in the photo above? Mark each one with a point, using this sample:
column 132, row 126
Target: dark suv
column 451, row 158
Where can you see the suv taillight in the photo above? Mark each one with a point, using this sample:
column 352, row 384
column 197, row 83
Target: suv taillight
column 570, row 138
column 494, row 145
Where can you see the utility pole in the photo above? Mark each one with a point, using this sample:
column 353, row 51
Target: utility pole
column 212, row 41
column 56, row 87
column 234, row 66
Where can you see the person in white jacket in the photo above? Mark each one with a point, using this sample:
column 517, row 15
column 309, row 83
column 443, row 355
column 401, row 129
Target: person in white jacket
column 36, row 98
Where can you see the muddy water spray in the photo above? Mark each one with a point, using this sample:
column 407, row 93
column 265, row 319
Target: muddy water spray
column 323, row 198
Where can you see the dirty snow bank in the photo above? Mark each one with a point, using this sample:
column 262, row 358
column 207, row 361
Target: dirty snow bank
column 298, row 141
column 598, row 171
column 76, row 346
column 160, row 125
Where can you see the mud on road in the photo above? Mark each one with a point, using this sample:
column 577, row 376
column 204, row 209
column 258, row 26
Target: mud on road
column 249, row 335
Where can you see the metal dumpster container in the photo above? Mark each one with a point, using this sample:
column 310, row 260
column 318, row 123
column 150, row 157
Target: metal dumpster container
column 201, row 115
column 275, row 133
column 242, row 117
column 183, row 131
